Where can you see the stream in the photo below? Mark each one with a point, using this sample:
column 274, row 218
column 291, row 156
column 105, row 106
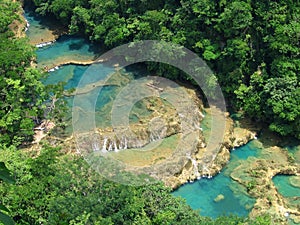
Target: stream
column 213, row 197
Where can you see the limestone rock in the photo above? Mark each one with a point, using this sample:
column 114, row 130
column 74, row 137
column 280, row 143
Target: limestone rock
column 219, row 198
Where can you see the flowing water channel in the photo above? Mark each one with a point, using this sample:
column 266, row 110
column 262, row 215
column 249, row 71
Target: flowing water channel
column 213, row 197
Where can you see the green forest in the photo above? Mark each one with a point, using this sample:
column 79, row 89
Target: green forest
column 252, row 46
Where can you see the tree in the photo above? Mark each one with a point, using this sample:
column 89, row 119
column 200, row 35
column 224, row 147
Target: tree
column 8, row 11
column 22, row 93
column 6, row 177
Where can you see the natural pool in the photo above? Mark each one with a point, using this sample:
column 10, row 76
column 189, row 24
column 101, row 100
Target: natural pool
column 289, row 188
column 212, row 197
column 286, row 186
column 64, row 50
column 203, row 193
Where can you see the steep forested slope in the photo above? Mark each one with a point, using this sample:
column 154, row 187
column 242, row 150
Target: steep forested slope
column 252, row 45
column 21, row 91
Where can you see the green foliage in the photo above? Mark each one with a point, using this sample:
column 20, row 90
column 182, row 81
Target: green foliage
column 252, row 46
column 6, row 177
column 62, row 189
column 251, row 185
column 22, row 94
column 261, row 220
column 237, row 38
column 5, row 174
column 8, row 11
column 235, row 18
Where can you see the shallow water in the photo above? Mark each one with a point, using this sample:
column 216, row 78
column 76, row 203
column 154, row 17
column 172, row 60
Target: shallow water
column 38, row 31
column 285, row 187
column 202, row 193
column 71, row 75
column 199, row 195
column 290, row 191
column 66, row 49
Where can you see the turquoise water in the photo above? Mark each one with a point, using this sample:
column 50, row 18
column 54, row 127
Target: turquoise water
column 200, row 195
column 72, row 74
column 69, row 74
column 71, row 48
column 287, row 190
column 67, row 48
column 245, row 152
column 38, row 27
column 284, row 186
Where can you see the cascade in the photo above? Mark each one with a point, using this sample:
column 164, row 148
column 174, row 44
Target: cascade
column 110, row 147
column 104, row 145
column 125, row 143
column 95, row 146
column 195, row 166
column 115, row 146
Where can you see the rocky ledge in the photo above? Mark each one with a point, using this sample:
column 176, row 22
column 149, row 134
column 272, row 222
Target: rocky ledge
column 191, row 161
column 256, row 174
column 193, row 169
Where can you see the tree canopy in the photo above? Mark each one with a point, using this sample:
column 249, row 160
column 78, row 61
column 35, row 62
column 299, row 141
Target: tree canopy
column 54, row 188
column 23, row 96
column 252, row 46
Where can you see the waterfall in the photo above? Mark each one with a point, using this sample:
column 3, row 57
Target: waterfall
column 115, row 146
column 110, row 147
column 27, row 25
column 195, row 166
column 43, row 44
column 125, row 143
column 95, row 146
column 104, row 145
column 121, row 144
column 154, row 137
column 207, row 170
column 198, row 127
column 201, row 114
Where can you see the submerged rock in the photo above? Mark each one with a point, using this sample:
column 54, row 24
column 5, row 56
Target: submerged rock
column 295, row 181
column 256, row 174
column 220, row 197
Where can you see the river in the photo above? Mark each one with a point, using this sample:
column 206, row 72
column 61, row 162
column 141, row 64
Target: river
column 220, row 195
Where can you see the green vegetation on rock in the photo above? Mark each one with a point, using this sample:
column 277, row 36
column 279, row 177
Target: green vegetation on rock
column 54, row 188
column 252, row 46
column 23, row 96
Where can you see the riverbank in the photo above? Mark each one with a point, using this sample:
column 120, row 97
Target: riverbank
column 256, row 176
column 200, row 162
column 234, row 137
column 237, row 134
column 18, row 26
